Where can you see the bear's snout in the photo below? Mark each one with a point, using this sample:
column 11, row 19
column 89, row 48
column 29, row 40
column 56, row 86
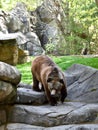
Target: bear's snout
column 53, row 92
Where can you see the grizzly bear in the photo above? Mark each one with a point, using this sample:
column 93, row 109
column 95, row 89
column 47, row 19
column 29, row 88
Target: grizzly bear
column 52, row 79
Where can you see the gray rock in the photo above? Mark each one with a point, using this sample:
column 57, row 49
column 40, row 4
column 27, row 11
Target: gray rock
column 21, row 40
column 24, row 85
column 3, row 22
column 75, row 127
column 18, row 126
column 49, row 116
column 9, row 73
column 47, row 27
column 33, row 45
column 8, row 49
column 11, row 36
column 28, row 96
column 82, row 83
column 7, row 92
column 19, row 19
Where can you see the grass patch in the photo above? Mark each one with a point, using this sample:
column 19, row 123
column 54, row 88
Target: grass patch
column 64, row 62
column 25, row 70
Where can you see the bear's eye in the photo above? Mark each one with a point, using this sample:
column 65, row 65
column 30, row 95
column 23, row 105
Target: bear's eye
column 49, row 80
column 50, row 85
column 58, row 85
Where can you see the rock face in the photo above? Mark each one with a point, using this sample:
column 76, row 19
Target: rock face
column 8, row 49
column 79, row 110
column 9, row 78
column 19, row 19
column 82, row 83
column 27, row 96
column 18, row 126
column 17, row 22
column 3, row 22
column 35, row 29
column 9, row 73
column 48, row 116
column 10, row 52
column 48, row 22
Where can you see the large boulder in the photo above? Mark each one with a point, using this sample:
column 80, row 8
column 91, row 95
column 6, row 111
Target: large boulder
column 33, row 45
column 21, row 126
column 3, row 22
column 23, row 56
column 82, row 83
column 28, row 96
column 48, row 23
column 9, row 79
column 8, row 49
column 19, row 19
column 7, row 92
column 9, row 73
column 50, row 116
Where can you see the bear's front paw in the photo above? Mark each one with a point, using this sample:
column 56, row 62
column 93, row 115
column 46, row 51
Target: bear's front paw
column 36, row 89
column 53, row 102
column 62, row 99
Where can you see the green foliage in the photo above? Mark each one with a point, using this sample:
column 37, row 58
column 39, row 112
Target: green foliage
column 64, row 62
column 50, row 47
column 9, row 4
column 83, row 25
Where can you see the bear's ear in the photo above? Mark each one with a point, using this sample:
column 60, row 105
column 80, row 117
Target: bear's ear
column 55, row 70
column 49, row 79
column 61, row 81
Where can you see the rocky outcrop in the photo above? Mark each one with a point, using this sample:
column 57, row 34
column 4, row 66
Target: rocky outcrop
column 27, row 96
column 33, row 45
column 23, row 56
column 18, row 126
column 48, row 23
column 49, row 116
column 3, row 22
column 82, row 83
column 34, row 29
column 19, row 19
column 9, row 79
column 79, row 111
column 8, row 49
column 17, row 22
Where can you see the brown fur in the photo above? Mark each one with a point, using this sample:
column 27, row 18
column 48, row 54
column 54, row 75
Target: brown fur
column 45, row 71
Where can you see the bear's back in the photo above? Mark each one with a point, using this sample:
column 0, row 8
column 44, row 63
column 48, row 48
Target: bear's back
column 42, row 60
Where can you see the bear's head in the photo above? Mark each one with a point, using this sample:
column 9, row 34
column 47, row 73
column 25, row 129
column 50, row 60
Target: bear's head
column 55, row 83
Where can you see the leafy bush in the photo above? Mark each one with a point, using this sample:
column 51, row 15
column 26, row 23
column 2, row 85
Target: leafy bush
column 50, row 47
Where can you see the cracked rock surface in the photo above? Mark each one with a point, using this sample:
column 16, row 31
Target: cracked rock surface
column 48, row 116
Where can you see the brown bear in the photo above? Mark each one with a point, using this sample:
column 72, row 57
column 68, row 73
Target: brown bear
column 52, row 79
